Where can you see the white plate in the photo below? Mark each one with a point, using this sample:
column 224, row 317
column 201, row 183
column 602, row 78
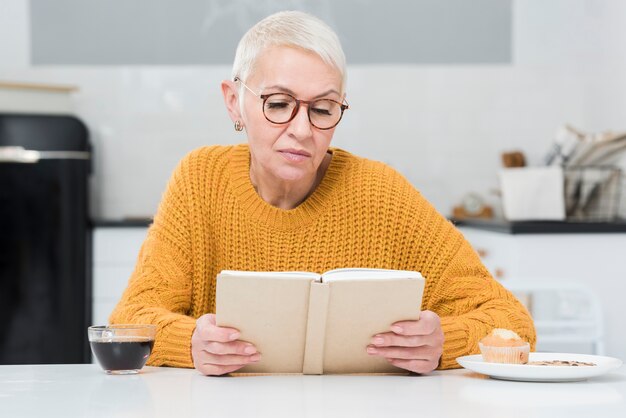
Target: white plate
column 530, row 373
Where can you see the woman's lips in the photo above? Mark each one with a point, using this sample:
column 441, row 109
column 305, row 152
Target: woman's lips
column 295, row 155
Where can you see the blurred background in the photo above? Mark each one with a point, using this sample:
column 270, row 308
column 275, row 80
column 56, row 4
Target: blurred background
column 481, row 105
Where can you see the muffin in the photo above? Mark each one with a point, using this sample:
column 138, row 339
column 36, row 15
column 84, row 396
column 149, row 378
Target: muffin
column 504, row 346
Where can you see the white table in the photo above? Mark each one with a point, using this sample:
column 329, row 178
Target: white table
column 85, row 391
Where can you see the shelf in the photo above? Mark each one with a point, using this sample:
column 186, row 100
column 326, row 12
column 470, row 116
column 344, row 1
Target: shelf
column 54, row 88
column 542, row 227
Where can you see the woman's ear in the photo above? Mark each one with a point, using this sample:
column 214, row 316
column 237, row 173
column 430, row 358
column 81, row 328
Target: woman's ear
column 231, row 100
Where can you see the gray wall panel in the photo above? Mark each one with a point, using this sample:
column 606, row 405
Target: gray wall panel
column 168, row 32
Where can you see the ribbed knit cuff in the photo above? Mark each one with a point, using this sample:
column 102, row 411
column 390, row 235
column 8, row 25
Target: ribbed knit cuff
column 173, row 346
column 456, row 341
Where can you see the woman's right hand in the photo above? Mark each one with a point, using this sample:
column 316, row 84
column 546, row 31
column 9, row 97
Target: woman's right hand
column 216, row 350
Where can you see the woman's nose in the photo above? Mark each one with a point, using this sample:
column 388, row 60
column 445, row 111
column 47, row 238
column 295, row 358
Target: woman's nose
column 300, row 125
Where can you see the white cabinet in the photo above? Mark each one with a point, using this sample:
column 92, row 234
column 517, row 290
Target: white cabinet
column 595, row 260
column 115, row 254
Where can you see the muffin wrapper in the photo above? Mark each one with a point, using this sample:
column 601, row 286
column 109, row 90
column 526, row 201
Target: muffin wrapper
column 512, row 355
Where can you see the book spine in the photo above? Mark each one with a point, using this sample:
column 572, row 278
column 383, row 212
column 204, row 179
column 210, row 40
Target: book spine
column 316, row 329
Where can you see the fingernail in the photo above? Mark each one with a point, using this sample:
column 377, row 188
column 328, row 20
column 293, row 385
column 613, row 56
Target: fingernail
column 371, row 350
column 249, row 350
column 379, row 340
column 255, row 358
column 233, row 336
column 396, row 329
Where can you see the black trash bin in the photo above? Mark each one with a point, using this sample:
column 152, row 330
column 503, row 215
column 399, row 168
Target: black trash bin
column 45, row 240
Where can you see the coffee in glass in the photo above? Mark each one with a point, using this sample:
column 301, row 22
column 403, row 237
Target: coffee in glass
column 122, row 349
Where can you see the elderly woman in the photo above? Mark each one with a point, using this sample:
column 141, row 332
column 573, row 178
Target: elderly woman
column 287, row 201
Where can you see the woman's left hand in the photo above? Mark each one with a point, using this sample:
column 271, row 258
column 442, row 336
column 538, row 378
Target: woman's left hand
column 412, row 345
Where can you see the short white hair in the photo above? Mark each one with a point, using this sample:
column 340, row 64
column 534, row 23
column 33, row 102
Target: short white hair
column 289, row 28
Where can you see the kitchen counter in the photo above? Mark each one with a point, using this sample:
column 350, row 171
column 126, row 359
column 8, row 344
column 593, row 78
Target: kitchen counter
column 121, row 223
column 542, row 227
column 495, row 225
column 85, row 391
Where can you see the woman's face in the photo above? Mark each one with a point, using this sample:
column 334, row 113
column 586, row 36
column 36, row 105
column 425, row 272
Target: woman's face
column 294, row 150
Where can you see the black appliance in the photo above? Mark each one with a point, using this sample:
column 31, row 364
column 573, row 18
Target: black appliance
column 45, row 241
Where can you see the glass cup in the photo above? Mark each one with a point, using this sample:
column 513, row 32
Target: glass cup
column 121, row 349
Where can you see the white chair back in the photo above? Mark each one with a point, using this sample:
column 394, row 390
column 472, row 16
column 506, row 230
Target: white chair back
column 565, row 312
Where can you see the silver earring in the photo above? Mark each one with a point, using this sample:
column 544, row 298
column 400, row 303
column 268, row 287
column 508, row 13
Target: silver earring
column 238, row 126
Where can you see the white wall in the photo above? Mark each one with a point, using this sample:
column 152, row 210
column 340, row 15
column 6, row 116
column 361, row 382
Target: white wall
column 14, row 34
column 442, row 126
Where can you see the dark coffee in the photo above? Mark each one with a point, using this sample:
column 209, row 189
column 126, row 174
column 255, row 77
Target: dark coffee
column 127, row 354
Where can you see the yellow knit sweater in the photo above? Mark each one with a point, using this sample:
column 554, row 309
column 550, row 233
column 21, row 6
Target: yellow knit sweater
column 362, row 214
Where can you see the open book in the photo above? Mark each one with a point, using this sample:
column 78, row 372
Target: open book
column 313, row 324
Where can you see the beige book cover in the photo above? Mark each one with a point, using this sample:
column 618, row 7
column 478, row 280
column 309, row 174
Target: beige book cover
column 317, row 324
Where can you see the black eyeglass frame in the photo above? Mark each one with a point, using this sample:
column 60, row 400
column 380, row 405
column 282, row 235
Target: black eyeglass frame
column 296, row 109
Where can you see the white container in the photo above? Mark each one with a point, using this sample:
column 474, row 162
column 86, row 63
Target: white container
column 533, row 193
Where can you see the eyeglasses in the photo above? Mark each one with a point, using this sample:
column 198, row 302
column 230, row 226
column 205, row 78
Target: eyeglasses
column 281, row 108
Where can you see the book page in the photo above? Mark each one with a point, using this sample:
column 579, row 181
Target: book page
column 274, row 274
column 367, row 274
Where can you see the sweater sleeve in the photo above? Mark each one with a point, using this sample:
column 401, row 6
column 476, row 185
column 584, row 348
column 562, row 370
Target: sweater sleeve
column 471, row 303
column 160, row 288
